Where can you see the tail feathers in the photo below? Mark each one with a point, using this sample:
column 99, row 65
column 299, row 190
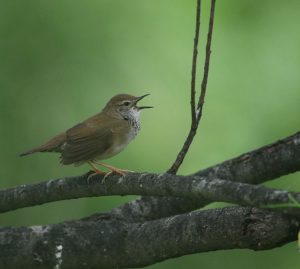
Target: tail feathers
column 27, row 152
column 53, row 145
column 41, row 148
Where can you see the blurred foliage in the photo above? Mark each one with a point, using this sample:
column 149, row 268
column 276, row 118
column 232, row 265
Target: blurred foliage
column 62, row 60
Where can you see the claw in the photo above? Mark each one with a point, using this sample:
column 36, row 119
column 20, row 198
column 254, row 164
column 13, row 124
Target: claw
column 106, row 175
column 121, row 172
column 112, row 169
column 96, row 172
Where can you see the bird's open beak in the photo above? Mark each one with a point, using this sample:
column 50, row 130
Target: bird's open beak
column 140, row 98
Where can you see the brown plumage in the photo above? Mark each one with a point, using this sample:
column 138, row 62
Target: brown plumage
column 100, row 136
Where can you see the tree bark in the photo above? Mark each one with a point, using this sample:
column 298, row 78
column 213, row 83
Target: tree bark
column 102, row 241
column 253, row 167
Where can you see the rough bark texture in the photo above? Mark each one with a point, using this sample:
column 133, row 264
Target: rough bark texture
column 280, row 158
column 102, row 241
column 260, row 165
column 254, row 167
column 193, row 187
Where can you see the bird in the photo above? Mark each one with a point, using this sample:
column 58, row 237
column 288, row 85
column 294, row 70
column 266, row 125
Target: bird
column 99, row 137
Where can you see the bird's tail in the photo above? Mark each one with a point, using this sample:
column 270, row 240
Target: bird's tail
column 53, row 145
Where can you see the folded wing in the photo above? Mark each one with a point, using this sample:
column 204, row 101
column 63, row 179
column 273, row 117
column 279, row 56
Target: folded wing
column 86, row 142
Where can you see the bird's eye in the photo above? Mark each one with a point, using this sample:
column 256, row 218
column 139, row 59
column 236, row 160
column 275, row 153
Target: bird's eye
column 126, row 103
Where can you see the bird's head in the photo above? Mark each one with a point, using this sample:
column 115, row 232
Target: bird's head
column 123, row 105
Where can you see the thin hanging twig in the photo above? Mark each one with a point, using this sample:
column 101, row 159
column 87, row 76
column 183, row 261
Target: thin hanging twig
column 194, row 63
column 196, row 115
column 207, row 60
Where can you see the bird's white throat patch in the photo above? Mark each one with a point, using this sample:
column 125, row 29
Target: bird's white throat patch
column 135, row 113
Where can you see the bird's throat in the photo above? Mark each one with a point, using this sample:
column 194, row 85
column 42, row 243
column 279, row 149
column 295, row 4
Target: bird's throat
column 133, row 119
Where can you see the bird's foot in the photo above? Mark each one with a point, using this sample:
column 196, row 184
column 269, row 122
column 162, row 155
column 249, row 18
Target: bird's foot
column 112, row 169
column 121, row 172
column 94, row 173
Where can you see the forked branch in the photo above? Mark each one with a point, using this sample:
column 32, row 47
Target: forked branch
column 196, row 114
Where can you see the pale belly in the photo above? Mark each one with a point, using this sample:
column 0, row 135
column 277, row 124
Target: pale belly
column 119, row 144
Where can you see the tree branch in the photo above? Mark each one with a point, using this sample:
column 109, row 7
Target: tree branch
column 105, row 242
column 285, row 152
column 192, row 187
column 207, row 61
column 196, row 115
column 254, row 167
column 271, row 161
column 194, row 64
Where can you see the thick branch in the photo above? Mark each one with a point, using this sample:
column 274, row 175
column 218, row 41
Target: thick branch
column 279, row 158
column 266, row 163
column 192, row 187
column 257, row 166
column 104, row 242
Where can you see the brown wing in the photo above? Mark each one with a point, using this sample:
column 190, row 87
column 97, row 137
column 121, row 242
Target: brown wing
column 86, row 141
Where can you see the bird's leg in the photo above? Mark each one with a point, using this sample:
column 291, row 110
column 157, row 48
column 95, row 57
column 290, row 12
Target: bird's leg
column 96, row 172
column 112, row 169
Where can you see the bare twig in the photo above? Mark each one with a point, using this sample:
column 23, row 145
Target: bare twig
column 207, row 60
column 194, row 63
column 196, row 115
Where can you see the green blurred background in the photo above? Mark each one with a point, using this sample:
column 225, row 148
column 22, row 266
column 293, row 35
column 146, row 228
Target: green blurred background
column 62, row 60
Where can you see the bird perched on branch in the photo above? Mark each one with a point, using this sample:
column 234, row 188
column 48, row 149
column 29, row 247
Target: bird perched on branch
column 100, row 136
